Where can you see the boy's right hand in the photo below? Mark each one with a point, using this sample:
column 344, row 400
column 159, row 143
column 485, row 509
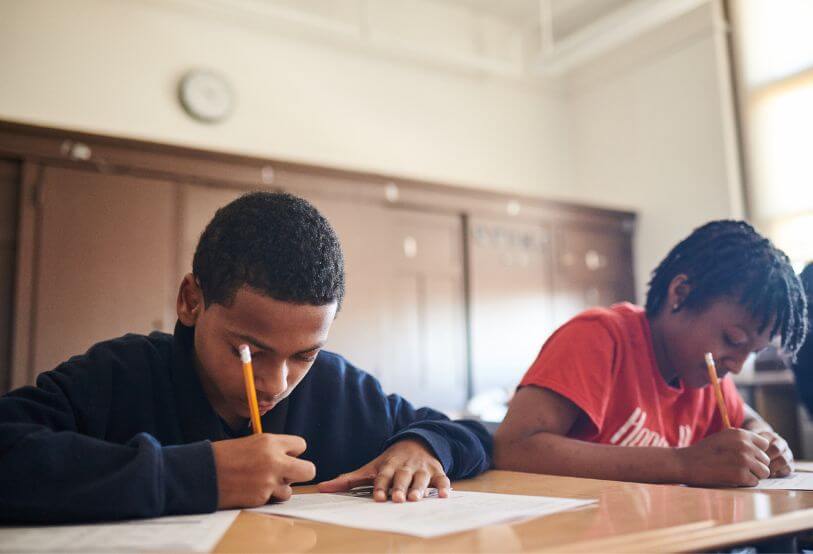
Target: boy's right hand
column 732, row 457
column 252, row 470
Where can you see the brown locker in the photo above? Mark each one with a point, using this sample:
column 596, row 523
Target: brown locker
column 103, row 260
column 10, row 175
column 198, row 204
column 403, row 317
column 357, row 332
column 511, row 299
column 593, row 267
column 426, row 317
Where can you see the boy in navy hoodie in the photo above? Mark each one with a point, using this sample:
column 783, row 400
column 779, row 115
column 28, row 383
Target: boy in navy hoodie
column 144, row 426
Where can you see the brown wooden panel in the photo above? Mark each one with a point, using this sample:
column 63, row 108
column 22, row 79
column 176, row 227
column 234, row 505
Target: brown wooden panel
column 511, row 299
column 10, row 175
column 358, row 332
column 403, row 317
column 592, row 255
column 426, row 336
column 593, row 267
column 105, row 251
column 198, row 204
column 589, row 255
column 118, row 155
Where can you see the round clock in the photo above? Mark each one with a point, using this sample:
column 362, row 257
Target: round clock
column 206, row 96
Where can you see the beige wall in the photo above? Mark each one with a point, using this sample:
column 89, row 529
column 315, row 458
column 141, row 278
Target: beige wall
column 652, row 130
column 113, row 67
column 646, row 127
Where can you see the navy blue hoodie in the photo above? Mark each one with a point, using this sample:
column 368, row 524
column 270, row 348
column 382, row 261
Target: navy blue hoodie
column 125, row 431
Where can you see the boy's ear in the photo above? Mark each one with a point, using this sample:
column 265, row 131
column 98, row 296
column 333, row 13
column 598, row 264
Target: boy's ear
column 190, row 301
column 678, row 291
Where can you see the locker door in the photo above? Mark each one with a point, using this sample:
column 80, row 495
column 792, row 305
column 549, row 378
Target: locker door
column 10, row 175
column 426, row 320
column 512, row 302
column 357, row 333
column 104, row 261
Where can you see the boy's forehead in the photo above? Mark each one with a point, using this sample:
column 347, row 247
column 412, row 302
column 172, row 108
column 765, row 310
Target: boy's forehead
column 258, row 315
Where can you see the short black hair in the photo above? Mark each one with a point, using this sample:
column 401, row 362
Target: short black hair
column 276, row 243
column 729, row 258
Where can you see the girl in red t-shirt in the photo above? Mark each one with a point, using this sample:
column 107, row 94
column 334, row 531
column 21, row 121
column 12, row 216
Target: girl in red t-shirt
column 623, row 392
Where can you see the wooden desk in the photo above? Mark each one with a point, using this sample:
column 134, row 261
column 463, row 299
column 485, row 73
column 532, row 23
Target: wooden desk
column 629, row 517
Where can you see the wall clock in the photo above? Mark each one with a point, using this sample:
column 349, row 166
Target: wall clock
column 206, row 96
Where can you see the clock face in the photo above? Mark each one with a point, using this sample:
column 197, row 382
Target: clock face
column 206, row 96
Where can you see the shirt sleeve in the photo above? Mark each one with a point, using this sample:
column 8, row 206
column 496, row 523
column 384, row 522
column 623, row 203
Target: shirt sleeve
column 577, row 363
column 348, row 420
column 53, row 472
column 463, row 447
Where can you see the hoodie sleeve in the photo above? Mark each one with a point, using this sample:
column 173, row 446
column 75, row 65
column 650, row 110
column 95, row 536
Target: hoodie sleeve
column 463, row 447
column 55, row 465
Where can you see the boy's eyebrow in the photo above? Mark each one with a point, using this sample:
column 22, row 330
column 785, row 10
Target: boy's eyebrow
column 262, row 346
column 253, row 341
column 316, row 346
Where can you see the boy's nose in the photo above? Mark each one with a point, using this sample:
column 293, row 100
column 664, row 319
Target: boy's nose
column 274, row 381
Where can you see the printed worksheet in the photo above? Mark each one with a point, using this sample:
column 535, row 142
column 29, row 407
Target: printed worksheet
column 197, row 533
column 793, row 482
column 430, row 517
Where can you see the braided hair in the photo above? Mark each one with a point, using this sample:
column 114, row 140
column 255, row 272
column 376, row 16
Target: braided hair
column 729, row 258
column 806, row 277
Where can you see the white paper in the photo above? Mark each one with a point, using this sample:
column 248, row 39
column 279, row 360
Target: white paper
column 793, row 482
column 196, row 533
column 426, row 518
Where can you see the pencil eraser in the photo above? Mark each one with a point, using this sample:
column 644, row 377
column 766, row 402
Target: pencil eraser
column 245, row 354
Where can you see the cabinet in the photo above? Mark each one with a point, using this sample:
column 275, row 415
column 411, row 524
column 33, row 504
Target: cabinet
column 403, row 317
column 512, row 298
column 10, row 174
column 592, row 267
column 104, row 261
column 450, row 292
column 197, row 205
column 425, row 315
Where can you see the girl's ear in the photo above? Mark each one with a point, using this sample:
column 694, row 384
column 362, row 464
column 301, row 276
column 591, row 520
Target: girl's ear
column 190, row 301
column 678, row 292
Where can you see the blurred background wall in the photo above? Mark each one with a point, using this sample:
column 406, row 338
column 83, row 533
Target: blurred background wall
column 633, row 111
column 584, row 138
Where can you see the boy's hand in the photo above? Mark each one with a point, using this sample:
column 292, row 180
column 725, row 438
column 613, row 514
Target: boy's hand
column 407, row 467
column 252, row 470
column 732, row 457
column 779, row 452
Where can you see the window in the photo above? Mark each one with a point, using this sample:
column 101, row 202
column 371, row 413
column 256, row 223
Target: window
column 774, row 55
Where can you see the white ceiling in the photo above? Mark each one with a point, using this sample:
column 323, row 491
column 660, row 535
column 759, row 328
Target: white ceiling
column 568, row 16
column 516, row 39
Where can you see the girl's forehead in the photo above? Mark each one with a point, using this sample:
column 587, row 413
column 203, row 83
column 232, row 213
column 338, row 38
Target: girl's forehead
column 730, row 311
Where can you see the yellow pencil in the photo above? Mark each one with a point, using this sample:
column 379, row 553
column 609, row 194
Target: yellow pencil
column 718, row 392
column 251, row 392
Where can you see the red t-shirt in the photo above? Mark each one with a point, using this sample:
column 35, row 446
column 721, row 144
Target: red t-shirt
column 602, row 360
